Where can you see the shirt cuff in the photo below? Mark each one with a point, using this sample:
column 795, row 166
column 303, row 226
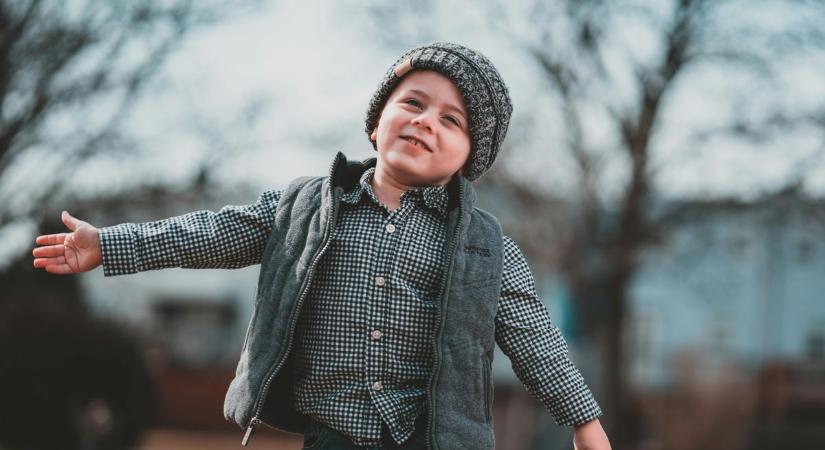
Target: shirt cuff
column 576, row 409
column 118, row 249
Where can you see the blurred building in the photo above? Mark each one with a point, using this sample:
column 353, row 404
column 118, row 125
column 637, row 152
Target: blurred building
column 726, row 327
column 730, row 281
column 192, row 321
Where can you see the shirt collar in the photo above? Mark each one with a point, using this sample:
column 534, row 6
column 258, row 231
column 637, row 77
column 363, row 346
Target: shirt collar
column 433, row 197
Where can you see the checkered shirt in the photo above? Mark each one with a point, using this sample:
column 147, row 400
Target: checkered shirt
column 362, row 347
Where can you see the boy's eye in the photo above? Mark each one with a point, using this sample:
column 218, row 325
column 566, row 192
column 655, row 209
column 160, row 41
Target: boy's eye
column 414, row 102
column 453, row 120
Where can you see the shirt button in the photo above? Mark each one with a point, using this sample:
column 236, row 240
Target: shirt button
column 376, row 334
column 377, row 386
column 380, row 281
column 390, row 228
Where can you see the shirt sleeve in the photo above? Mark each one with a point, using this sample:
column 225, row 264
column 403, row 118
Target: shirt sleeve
column 233, row 237
column 536, row 348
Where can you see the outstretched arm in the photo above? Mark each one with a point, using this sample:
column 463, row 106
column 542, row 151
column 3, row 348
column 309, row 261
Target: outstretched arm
column 539, row 353
column 63, row 253
column 230, row 238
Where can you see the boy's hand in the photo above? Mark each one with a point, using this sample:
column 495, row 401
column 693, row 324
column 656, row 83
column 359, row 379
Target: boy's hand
column 590, row 436
column 69, row 252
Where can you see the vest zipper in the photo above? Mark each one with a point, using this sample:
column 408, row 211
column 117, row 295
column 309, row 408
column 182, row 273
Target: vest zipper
column 445, row 284
column 256, row 420
column 250, row 430
column 486, row 379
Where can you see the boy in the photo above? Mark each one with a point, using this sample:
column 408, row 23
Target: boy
column 382, row 289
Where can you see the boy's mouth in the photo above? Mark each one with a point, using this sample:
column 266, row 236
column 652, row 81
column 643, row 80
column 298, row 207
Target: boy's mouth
column 417, row 142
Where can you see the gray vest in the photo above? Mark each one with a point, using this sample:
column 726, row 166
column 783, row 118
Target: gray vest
column 460, row 388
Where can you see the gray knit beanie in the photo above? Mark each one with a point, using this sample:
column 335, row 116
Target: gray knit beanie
column 485, row 96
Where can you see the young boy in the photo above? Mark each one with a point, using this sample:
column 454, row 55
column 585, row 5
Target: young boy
column 382, row 288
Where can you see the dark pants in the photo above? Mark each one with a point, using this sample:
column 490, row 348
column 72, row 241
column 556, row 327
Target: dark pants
column 320, row 437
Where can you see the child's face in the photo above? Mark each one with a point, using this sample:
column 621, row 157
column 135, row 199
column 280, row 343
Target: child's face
column 425, row 107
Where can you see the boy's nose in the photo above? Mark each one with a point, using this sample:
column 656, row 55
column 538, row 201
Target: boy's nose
column 424, row 121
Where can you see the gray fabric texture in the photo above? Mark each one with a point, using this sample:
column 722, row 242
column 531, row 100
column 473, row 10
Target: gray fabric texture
column 460, row 387
column 485, row 95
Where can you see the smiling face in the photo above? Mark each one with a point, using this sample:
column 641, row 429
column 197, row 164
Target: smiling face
column 423, row 136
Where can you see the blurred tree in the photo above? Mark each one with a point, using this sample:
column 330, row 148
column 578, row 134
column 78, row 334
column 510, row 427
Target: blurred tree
column 69, row 380
column 612, row 70
column 70, row 73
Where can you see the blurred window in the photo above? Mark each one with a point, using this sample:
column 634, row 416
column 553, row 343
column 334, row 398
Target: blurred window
column 805, row 251
column 194, row 333
column 815, row 344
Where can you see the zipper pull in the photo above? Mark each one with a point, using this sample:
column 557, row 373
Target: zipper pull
column 250, row 430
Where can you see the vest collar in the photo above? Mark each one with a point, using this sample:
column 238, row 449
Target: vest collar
column 346, row 174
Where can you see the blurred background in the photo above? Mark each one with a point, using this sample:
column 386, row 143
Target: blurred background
column 664, row 172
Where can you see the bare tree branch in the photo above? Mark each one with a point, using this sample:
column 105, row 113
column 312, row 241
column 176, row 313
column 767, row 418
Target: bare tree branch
column 57, row 58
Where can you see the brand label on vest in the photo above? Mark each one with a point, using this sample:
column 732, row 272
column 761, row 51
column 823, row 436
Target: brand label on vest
column 480, row 251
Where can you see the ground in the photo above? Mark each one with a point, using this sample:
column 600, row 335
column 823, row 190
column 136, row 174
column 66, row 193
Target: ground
column 163, row 439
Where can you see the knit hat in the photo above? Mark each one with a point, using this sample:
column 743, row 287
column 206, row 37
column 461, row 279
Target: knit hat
column 485, row 96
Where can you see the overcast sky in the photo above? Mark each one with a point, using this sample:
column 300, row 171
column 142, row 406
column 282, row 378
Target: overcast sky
column 286, row 86
column 280, row 89
column 307, row 68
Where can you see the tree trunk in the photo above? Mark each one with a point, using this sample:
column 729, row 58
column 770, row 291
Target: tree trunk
column 601, row 307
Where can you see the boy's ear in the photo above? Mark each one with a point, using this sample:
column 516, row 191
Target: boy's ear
column 374, row 134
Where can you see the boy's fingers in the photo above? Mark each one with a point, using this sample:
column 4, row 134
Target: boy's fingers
column 40, row 263
column 50, row 251
column 50, row 239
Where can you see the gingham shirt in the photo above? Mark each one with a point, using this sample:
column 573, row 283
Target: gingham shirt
column 362, row 346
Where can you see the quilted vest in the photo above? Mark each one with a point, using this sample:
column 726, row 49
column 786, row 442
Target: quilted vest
column 460, row 390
